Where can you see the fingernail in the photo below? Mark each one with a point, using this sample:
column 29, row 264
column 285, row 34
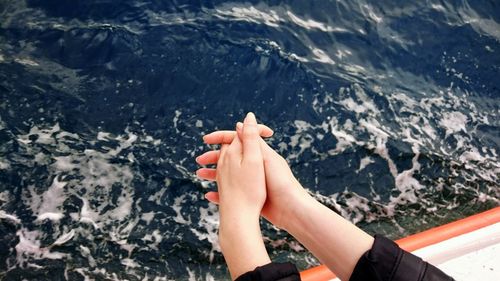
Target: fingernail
column 250, row 118
column 239, row 126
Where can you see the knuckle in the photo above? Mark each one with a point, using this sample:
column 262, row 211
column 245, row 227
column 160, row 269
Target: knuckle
column 227, row 138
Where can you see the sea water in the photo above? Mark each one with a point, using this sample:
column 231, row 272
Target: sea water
column 388, row 112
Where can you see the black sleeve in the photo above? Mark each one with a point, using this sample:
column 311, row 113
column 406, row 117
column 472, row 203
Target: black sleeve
column 387, row 262
column 272, row 272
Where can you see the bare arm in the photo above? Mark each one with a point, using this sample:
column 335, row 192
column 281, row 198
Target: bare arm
column 336, row 242
column 242, row 193
column 333, row 240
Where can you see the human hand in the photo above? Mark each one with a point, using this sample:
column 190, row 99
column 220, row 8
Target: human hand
column 242, row 193
column 289, row 206
column 240, row 175
column 282, row 187
column 219, row 138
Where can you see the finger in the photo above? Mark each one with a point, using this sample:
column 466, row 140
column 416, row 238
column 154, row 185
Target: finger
column 207, row 174
column 239, row 129
column 250, row 140
column 223, row 150
column 212, row 196
column 236, row 149
column 208, row 158
column 220, row 137
column 266, row 149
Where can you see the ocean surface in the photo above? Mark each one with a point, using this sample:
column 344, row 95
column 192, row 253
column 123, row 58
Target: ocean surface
column 387, row 111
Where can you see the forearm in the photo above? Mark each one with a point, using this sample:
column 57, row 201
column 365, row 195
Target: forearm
column 336, row 242
column 242, row 245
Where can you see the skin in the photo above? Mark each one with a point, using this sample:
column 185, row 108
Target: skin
column 242, row 194
column 333, row 240
column 281, row 184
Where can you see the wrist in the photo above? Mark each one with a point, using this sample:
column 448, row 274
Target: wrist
column 235, row 231
column 242, row 246
column 295, row 208
column 236, row 223
column 238, row 215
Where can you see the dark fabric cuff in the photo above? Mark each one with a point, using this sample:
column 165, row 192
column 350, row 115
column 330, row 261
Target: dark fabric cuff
column 386, row 261
column 272, row 272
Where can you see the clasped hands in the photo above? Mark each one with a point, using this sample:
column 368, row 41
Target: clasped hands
column 253, row 180
column 251, row 177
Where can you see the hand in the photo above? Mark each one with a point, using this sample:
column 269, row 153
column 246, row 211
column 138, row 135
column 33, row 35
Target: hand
column 220, row 138
column 242, row 193
column 290, row 207
column 240, row 174
column 282, row 187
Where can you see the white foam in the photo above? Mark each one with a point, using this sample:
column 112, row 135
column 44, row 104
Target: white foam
column 124, row 206
column 90, row 175
column 405, row 181
column 177, row 207
column 4, row 165
column 44, row 136
column 352, row 106
column 429, row 130
column 148, row 217
column 85, row 251
column 342, row 53
column 344, row 140
column 365, row 162
column 250, row 14
column 64, row 238
column 472, row 155
column 129, row 263
column 26, row 61
column 209, row 222
column 154, row 239
column 453, row 122
column 157, row 196
column 372, row 126
column 438, row 7
column 87, row 215
column 479, row 23
column 48, row 205
column 298, row 58
column 29, row 244
column 321, row 56
column 12, row 218
column 368, row 11
column 301, row 139
column 103, row 136
column 175, row 120
column 191, row 275
column 312, row 24
column 362, row 104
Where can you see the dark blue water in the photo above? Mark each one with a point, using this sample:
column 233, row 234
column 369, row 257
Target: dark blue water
column 388, row 113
